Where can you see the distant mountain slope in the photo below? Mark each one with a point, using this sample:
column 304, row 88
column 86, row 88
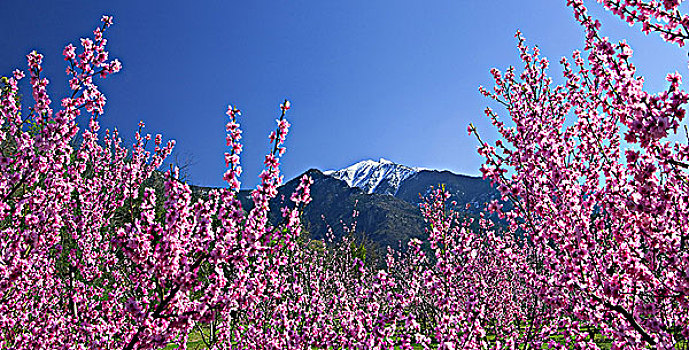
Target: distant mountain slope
column 409, row 183
column 384, row 219
column 385, row 194
column 462, row 188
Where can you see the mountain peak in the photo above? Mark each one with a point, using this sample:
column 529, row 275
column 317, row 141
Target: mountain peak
column 383, row 176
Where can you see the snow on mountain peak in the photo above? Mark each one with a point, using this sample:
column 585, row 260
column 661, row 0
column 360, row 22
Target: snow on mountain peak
column 383, row 176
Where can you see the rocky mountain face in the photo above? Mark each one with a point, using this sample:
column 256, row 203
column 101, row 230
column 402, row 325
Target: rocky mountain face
column 413, row 184
column 381, row 177
column 385, row 194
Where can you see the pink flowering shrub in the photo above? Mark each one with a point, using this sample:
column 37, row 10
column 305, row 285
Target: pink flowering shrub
column 599, row 193
column 663, row 17
column 87, row 260
column 325, row 298
column 475, row 290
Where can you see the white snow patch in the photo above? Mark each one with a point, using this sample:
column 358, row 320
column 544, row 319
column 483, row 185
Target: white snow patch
column 369, row 174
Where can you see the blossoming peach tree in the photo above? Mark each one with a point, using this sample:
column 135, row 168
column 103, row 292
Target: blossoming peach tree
column 86, row 258
column 595, row 255
column 599, row 192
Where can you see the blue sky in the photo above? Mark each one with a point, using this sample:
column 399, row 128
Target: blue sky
column 367, row 79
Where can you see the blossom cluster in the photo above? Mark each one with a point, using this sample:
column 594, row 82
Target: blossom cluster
column 663, row 17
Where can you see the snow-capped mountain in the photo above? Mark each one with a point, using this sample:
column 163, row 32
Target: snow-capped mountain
column 381, row 177
column 386, row 196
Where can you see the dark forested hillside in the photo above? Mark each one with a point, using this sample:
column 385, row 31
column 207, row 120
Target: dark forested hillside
column 384, row 219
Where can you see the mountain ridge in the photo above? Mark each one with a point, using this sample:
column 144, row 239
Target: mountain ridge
column 385, row 194
column 382, row 177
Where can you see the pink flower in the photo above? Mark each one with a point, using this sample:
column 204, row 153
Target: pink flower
column 107, row 20
column 18, row 75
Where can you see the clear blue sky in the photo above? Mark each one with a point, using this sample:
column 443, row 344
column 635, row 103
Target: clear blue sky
column 367, row 79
